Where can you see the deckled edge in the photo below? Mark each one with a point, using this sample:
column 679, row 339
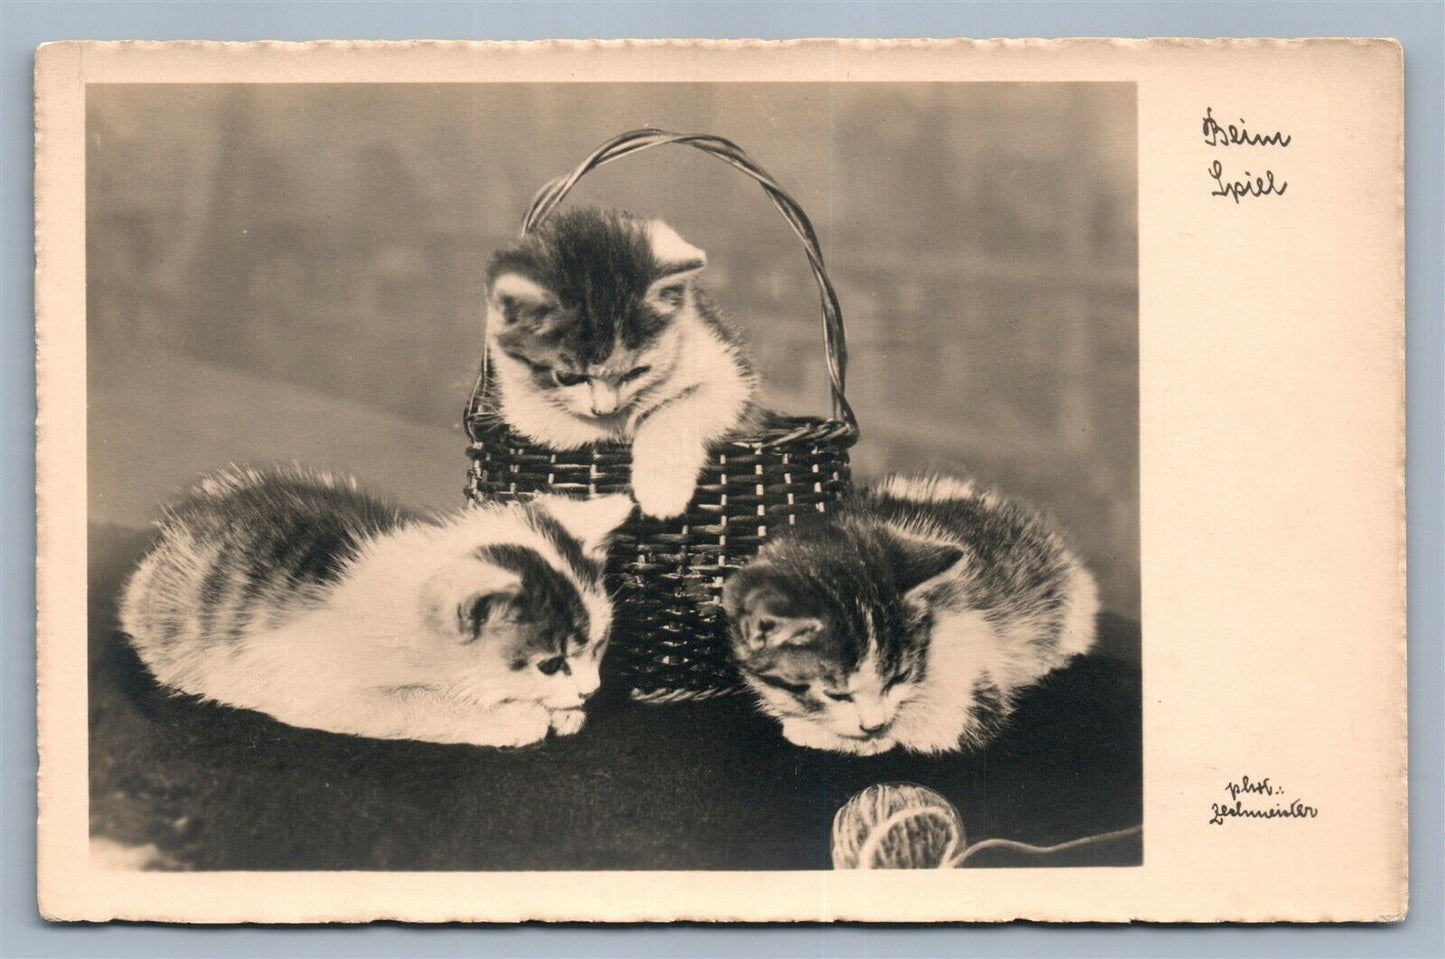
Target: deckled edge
column 44, row 78
column 1403, row 879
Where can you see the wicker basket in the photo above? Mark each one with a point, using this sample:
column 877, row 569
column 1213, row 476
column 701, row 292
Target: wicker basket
column 669, row 635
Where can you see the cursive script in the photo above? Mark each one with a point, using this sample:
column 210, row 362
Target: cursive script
column 1237, row 136
column 1246, row 787
column 1250, row 186
column 1255, row 790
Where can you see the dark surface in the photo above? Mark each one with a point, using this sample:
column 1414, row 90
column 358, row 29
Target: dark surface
column 701, row 786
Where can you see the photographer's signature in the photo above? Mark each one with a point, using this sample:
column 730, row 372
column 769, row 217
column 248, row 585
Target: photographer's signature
column 1262, row 799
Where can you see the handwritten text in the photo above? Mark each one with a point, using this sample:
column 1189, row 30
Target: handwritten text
column 1218, row 136
column 1228, row 185
column 1249, row 186
column 1266, row 802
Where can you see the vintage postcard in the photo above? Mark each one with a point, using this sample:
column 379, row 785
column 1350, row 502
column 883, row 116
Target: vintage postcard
column 809, row 481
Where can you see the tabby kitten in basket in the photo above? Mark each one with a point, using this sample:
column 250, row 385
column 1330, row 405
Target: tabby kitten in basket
column 597, row 331
column 301, row 597
column 913, row 619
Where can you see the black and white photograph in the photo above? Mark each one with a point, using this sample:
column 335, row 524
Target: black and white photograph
column 566, row 476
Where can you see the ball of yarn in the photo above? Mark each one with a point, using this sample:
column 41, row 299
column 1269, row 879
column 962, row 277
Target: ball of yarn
column 896, row 826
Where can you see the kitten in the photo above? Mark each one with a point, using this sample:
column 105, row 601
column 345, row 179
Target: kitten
column 914, row 618
column 299, row 596
column 598, row 332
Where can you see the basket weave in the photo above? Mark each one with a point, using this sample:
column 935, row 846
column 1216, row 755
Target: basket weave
column 669, row 635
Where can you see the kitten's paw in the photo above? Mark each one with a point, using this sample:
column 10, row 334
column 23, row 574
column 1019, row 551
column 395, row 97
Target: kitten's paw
column 802, row 733
column 662, row 494
column 513, row 726
column 567, row 722
column 664, row 472
column 865, row 747
column 814, row 736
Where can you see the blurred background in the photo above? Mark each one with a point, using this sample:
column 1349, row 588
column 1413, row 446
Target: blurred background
column 295, row 272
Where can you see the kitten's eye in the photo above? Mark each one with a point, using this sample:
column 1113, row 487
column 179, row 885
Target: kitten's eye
column 838, row 697
column 900, row 678
column 797, row 689
column 550, row 666
column 568, row 379
column 635, row 372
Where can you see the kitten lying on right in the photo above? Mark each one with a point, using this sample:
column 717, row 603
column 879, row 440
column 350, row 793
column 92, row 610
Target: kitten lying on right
column 913, row 619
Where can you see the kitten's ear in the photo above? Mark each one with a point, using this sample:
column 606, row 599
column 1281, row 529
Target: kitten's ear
column 761, row 622
column 920, row 561
column 478, row 612
column 677, row 259
column 462, row 600
column 513, row 297
column 591, row 521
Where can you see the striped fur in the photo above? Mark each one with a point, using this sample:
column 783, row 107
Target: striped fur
column 597, row 331
column 299, row 596
column 914, row 618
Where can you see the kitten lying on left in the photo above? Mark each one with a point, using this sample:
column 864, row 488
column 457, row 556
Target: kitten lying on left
column 297, row 595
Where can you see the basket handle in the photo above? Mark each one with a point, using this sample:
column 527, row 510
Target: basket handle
column 834, row 342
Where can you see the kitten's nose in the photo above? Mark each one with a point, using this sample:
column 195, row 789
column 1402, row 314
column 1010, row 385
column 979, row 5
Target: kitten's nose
column 587, row 683
column 871, row 719
column 604, row 399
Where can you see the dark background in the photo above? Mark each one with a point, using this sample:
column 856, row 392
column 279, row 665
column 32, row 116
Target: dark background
column 271, row 265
